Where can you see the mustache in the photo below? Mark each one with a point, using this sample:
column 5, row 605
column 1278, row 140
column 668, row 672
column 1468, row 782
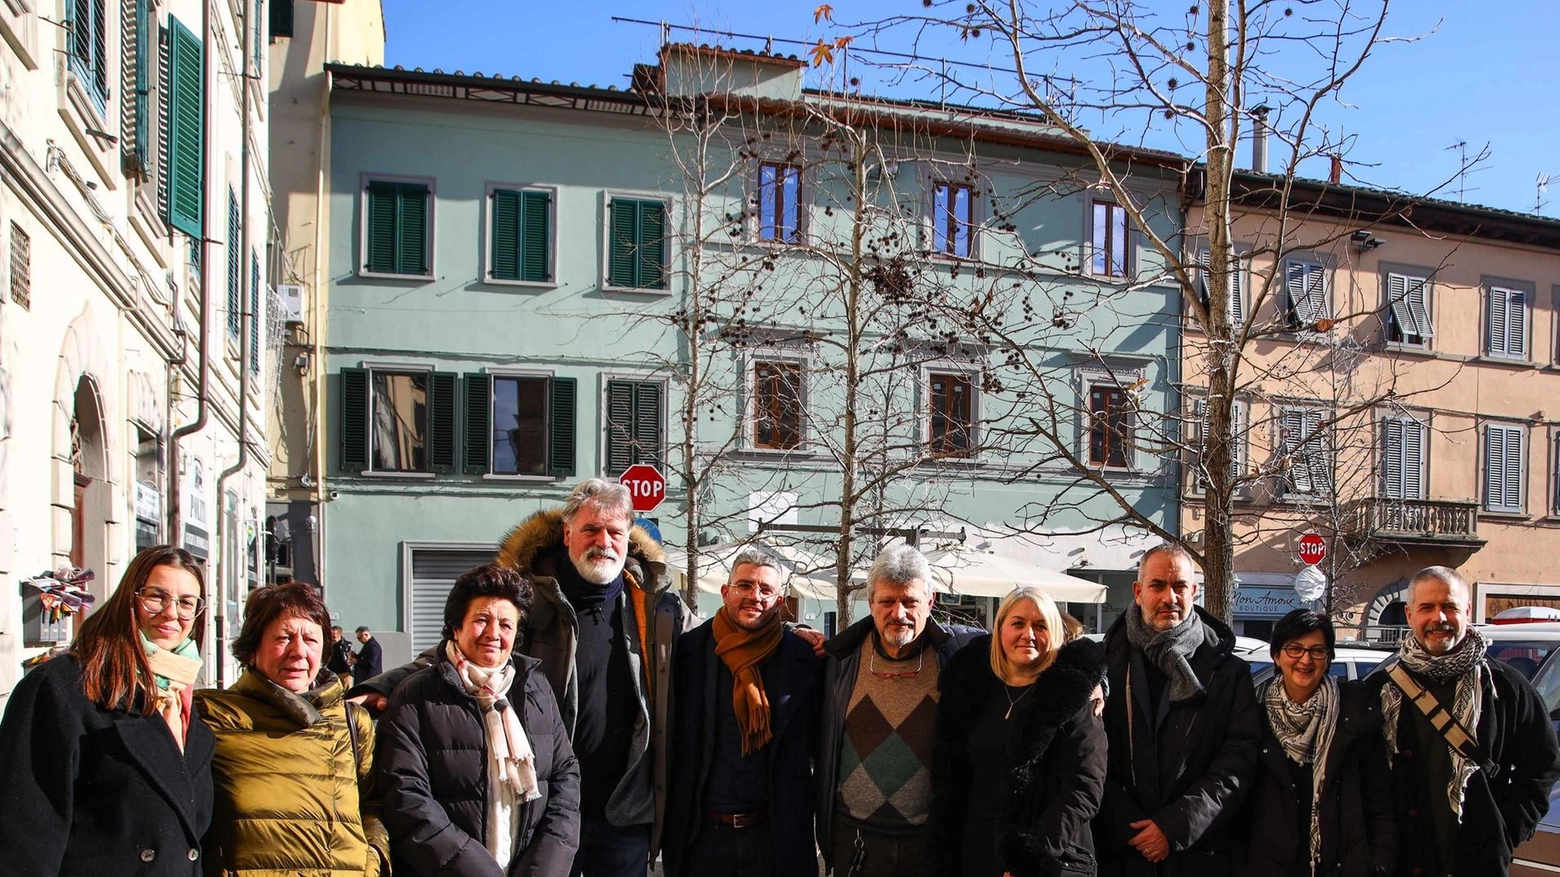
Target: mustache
column 1440, row 627
column 600, row 554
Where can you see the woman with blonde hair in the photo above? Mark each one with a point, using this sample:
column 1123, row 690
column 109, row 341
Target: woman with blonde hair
column 1018, row 766
column 105, row 772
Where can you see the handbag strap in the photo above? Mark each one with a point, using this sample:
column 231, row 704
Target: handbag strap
column 352, row 735
column 1440, row 718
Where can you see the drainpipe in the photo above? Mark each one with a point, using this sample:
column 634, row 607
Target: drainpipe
column 175, row 510
column 245, row 354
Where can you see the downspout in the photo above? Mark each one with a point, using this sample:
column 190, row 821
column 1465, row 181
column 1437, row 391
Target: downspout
column 316, row 320
column 245, row 354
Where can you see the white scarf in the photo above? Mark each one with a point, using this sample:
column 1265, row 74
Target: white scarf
column 1465, row 663
column 1305, row 730
column 511, row 762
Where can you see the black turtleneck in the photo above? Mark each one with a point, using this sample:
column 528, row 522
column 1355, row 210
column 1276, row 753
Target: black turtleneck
column 607, row 703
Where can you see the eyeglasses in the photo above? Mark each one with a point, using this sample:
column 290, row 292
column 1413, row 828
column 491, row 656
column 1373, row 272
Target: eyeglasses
column 1317, row 653
column 903, row 674
column 155, row 600
column 748, row 589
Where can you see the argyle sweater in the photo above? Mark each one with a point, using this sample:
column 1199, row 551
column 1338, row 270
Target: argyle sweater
column 886, row 756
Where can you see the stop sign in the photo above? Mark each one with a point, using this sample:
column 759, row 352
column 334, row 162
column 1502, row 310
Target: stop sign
column 1312, row 548
column 645, row 485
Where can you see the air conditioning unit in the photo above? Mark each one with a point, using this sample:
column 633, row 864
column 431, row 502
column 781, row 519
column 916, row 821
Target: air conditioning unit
column 291, row 295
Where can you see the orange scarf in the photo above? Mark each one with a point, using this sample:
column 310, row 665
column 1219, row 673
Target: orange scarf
column 744, row 651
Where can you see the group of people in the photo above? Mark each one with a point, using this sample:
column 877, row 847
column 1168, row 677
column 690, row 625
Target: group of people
column 576, row 719
column 354, row 666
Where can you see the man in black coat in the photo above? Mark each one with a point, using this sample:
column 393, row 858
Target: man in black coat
column 743, row 801
column 370, row 658
column 1461, row 810
column 339, row 656
column 1183, row 725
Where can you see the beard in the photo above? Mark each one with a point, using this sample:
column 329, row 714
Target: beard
column 898, row 635
column 598, row 567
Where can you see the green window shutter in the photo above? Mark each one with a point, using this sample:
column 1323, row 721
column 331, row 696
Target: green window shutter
column 259, row 34
column 652, row 245
column 136, row 90
column 412, row 244
column 100, row 50
column 381, row 218
column 354, row 419
column 479, row 423
column 620, row 426
column 281, row 18
column 186, row 135
column 397, row 218
column 234, row 299
column 441, row 421
column 254, row 313
column 647, row 423
column 506, row 235
column 560, row 427
column 622, row 268
column 535, row 215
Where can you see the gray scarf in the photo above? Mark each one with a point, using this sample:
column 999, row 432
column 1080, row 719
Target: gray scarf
column 1171, row 650
column 1465, row 663
column 1305, row 730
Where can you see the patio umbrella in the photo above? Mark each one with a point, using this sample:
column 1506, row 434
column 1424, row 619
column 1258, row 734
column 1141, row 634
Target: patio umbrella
column 980, row 574
column 804, row 573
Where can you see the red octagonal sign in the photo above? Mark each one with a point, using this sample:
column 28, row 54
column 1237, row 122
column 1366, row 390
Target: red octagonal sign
column 1312, row 548
column 646, row 485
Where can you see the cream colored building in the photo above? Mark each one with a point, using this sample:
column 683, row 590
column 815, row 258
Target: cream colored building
column 135, row 267
column 1397, row 398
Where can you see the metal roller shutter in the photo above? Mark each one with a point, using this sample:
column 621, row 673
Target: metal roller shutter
column 434, row 572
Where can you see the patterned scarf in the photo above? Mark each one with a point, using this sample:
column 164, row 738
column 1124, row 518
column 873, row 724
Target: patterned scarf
column 175, row 671
column 511, row 763
column 1171, row 650
column 743, row 652
column 1465, row 663
column 1305, row 730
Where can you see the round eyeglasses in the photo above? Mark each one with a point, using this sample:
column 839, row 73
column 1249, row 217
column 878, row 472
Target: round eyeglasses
column 155, row 601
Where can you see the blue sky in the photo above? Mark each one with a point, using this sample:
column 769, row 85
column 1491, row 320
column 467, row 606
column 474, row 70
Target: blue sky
column 1482, row 73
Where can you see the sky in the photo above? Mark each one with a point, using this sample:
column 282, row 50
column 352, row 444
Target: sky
column 1482, row 73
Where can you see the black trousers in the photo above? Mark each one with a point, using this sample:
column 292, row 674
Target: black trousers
column 879, row 855
column 721, row 851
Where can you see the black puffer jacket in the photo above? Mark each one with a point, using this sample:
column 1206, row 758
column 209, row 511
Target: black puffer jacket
column 432, row 760
column 1359, row 831
column 1056, row 775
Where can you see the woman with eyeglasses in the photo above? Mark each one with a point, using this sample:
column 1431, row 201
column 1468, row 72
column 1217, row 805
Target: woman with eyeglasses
column 103, row 767
column 1321, row 803
column 1018, row 766
column 478, row 776
column 294, row 791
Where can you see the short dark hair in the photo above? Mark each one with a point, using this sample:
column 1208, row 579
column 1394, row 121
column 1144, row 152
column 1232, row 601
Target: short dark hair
column 265, row 605
column 488, row 580
column 364, row 630
column 1298, row 623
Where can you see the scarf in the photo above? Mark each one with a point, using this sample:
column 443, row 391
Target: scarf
column 743, row 652
column 175, row 671
column 1465, row 663
column 1171, row 650
column 1305, row 730
column 511, row 763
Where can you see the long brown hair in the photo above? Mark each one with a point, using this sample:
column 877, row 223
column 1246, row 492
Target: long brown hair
column 115, row 674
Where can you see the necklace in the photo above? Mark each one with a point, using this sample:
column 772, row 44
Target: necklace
column 1013, row 701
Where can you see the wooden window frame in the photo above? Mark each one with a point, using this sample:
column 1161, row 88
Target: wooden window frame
column 1109, row 245
column 946, row 223
column 938, row 447
column 799, row 369
column 798, row 234
column 1101, row 426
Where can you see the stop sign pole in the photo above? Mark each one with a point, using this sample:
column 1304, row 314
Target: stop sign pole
column 1313, row 549
column 646, row 486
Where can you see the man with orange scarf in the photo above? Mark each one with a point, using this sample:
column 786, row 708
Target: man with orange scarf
column 745, row 694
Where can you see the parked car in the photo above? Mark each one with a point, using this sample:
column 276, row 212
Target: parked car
column 1523, row 646
column 1348, row 663
column 1541, row 855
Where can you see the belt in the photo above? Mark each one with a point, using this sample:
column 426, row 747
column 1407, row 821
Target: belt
column 737, row 820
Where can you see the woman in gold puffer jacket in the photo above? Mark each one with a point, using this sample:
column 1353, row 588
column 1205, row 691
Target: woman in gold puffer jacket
column 294, row 795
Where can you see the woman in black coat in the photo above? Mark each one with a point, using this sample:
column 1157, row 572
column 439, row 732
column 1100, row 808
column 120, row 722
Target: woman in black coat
column 102, row 770
column 1018, row 768
column 475, row 769
column 1322, row 801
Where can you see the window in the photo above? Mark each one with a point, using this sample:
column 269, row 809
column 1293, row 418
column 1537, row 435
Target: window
column 234, row 260
column 1109, row 255
column 633, row 423
column 185, row 137
column 952, row 414
column 1238, row 425
column 1305, row 294
column 777, row 406
column 1554, row 488
column 136, row 48
column 1306, row 449
column 257, row 31
column 1237, row 309
column 520, row 425
column 1506, row 323
column 1110, row 426
column 953, row 219
column 521, row 235
column 281, row 18
column 1403, row 458
column 255, row 321
column 1505, row 467
column 1408, row 310
column 397, row 420
column 396, row 236
column 21, row 267
column 636, row 257
column 87, row 41
column 779, row 202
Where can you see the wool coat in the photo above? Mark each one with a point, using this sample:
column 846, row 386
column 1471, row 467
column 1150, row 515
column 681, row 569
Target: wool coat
column 1355, row 817
column 1055, row 759
column 87, row 791
column 294, row 787
column 1500, row 812
column 793, row 682
column 1187, row 765
column 432, row 762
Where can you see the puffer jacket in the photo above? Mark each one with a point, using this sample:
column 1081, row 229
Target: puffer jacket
column 292, row 796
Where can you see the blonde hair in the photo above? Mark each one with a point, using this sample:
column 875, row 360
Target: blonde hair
column 1056, row 633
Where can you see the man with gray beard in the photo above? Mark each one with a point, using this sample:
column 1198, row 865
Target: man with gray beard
column 1471, row 747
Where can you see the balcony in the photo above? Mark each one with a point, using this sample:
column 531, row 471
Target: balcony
column 1423, row 522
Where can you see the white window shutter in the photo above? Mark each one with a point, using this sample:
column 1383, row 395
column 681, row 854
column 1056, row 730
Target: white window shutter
column 1204, row 259
column 1318, row 452
column 1516, row 322
column 1238, row 439
column 1495, row 321
column 1413, row 459
column 1199, row 427
column 1419, row 306
column 1503, row 468
column 1238, row 294
column 1392, row 458
column 1397, row 300
column 1294, row 289
column 1515, row 465
column 1292, row 424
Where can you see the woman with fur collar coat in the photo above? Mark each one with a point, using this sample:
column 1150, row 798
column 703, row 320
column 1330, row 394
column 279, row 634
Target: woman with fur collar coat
column 1018, row 767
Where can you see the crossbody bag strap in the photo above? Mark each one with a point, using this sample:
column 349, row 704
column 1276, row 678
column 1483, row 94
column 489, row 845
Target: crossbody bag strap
column 352, row 735
column 1440, row 718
